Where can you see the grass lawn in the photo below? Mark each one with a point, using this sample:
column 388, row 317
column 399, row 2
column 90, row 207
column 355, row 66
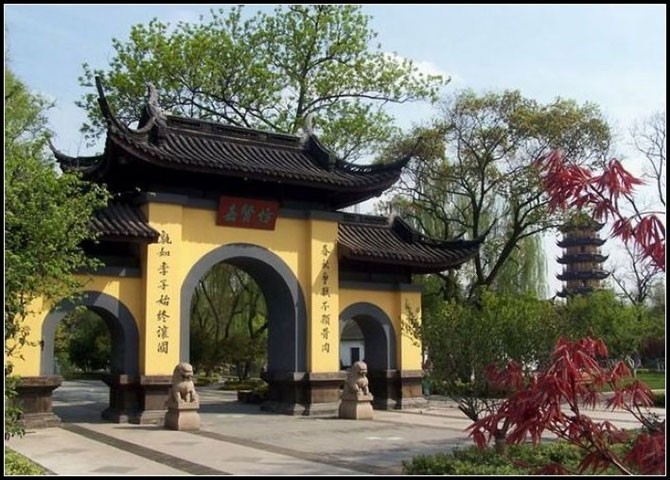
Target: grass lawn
column 654, row 380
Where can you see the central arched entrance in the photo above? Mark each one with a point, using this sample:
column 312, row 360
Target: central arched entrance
column 287, row 317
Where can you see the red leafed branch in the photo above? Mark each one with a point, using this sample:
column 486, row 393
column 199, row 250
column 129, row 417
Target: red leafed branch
column 554, row 402
column 573, row 186
column 648, row 453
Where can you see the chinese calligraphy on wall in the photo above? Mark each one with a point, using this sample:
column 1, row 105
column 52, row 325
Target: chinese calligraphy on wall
column 162, row 294
column 325, row 308
column 248, row 213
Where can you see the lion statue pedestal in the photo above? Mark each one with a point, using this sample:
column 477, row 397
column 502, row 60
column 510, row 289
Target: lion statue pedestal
column 356, row 398
column 183, row 402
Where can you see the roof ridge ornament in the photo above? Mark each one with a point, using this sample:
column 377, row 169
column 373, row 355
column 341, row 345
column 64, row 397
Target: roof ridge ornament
column 308, row 127
column 104, row 104
column 107, row 111
column 152, row 102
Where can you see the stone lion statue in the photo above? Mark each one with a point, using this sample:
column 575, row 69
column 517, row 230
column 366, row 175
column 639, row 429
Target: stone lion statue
column 183, row 389
column 357, row 380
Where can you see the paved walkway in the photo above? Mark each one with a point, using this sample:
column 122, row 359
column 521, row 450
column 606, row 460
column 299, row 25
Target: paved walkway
column 239, row 439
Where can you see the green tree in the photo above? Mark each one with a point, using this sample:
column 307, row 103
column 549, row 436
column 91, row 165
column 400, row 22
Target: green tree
column 83, row 341
column 46, row 218
column 525, row 270
column 601, row 314
column 652, row 349
column 474, row 173
column 461, row 339
column 267, row 72
column 228, row 322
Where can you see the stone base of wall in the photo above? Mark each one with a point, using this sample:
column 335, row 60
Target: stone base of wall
column 153, row 393
column 299, row 393
column 318, row 394
column 34, row 397
column 396, row 389
column 137, row 399
column 123, row 398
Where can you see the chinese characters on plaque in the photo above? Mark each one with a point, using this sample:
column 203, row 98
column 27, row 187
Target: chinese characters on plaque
column 163, row 299
column 246, row 212
column 325, row 309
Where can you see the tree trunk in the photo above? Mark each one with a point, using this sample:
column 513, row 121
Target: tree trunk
column 500, row 441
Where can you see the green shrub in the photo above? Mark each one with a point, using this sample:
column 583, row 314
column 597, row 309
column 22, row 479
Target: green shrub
column 259, row 394
column 17, row 464
column 523, row 459
column 202, row 379
column 248, row 384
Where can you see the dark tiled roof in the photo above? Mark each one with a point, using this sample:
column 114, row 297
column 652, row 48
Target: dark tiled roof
column 567, row 292
column 582, row 257
column 197, row 145
column 120, row 221
column 577, row 241
column 164, row 145
column 595, row 274
column 375, row 239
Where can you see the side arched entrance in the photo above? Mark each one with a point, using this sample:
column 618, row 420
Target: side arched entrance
column 380, row 351
column 124, row 403
column 287, row 320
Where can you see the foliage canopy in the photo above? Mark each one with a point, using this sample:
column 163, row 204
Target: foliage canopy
column 475, row 172
column 266, row 71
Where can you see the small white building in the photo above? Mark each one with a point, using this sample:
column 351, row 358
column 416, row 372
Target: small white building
column 352, row 345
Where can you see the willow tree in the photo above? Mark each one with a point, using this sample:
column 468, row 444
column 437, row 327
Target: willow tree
column 228, row 322
column 474, row 173
column 266, row 71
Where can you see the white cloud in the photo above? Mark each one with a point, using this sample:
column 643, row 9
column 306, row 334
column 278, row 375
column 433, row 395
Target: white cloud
column 426, row 67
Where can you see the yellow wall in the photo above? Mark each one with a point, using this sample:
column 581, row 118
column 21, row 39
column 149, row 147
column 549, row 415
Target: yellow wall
column 123, row 288
column 307, row 246
column 26, row 361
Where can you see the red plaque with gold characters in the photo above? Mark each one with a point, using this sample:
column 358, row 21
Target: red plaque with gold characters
column 247, row 213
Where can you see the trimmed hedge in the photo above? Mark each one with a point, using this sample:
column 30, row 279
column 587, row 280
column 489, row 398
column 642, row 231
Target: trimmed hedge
column 249, row 384
column 524, row 459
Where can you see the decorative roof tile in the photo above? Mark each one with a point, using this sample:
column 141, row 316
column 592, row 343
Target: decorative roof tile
column 378, row 240
column 163, row 147
column 120, row 221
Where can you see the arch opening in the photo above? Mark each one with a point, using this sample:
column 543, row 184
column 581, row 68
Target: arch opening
column 286, row 311
column 121, row 323
column 376, row 330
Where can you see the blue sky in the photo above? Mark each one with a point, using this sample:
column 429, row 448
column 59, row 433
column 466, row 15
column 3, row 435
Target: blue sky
column 612, row 55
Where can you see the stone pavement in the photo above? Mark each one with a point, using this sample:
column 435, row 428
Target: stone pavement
column 239, row 439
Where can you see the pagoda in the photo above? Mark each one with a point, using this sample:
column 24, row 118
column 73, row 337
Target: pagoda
column 582, row 260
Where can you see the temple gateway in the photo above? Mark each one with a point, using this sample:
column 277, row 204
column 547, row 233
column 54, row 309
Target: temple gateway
column 189, row 194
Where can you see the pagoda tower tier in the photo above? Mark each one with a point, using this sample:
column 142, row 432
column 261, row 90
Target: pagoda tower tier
column 582, row 260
